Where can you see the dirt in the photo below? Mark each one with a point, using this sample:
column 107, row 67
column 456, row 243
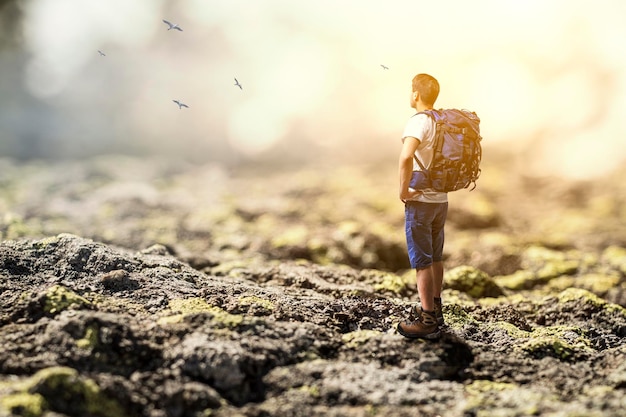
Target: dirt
column 152, row 287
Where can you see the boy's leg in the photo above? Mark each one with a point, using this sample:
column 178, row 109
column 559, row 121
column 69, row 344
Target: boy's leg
column 425, row 244
column 437, row 270
column 438, row 235
column 437, row 274
column 419, row 219
column 426, row 288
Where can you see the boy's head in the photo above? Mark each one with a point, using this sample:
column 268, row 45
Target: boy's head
column 427, row 87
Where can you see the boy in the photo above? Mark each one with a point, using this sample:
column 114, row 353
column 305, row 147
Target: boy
column 425, row 213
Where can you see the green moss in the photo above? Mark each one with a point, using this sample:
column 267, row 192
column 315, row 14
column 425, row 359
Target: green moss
column 510, row 329
column 371, row 410
column 600, row 283
column 576, row 294
column 483, row 395
column 519, row 280
column 579, row 294
column 539, row 255
column 293, row 236
column 457, row 297
column 266, row 304
column 392, row 283
column 230, row 268
column 615, row 256
column 472, row 281
column 547, row 263
column 16, row 227
column 492, row 398
column 90, row 340
column 57, row 387
column 542, row 266
column 59, row 298
column 66, row 383
column 312, row 390
column 557, row 268
column 456, row 317
column 24, row 404
column 482, row 386
column 507, row 300
column 43, row 243
column 482, row 208
column 349, row 228
column 561, row 283
column 358, row 337
column 189, row 306
column 562, row 342
column 600, row 391
column 159, row 228
column 318, row 247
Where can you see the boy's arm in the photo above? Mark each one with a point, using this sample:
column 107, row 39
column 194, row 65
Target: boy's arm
column 405, row 167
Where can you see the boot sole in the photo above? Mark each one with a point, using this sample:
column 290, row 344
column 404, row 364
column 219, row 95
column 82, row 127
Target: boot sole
column 430, row 336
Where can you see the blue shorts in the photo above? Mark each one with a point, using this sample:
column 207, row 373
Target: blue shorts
column 424, row 224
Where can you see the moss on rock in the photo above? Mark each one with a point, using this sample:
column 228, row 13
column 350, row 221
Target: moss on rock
column 519, row 280
column 547, row 263
column 249, row 300
column 556, row 269
column 188, row 306
column 60, row 389
column 90, row 340
column 587, row 297
column 387, row 282
column 456, row 317
column 23, row 404
column 58, row 298
column 576, row 294
column 562, row 342
column 293, row 236
column 358, row 337
column 615, row 256
column 599, row 284
column 472, row 281
column 495, row 399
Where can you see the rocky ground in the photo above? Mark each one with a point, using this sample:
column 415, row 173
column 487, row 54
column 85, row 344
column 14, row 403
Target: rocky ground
column 150, row 287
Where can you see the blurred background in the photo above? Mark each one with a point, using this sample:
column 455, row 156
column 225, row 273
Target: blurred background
column 547, row 78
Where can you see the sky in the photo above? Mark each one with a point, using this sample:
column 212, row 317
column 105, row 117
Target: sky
column 546, row 77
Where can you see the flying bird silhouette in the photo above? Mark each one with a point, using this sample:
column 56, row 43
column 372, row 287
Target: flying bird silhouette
column 180, row 105
column 172, row 25
column 101, row 53
column 384, row 67
column 238, row 85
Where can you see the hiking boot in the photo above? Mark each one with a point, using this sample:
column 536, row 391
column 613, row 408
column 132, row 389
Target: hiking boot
column 424, row 326
column 438, row 312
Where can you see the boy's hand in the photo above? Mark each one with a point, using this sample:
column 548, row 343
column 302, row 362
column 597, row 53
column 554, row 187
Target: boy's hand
column 408, row 194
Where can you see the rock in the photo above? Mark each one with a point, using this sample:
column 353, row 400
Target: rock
column 177, row 296
column 472, row 281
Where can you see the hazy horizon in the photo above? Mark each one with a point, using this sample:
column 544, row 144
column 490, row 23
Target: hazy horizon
column 548, row 79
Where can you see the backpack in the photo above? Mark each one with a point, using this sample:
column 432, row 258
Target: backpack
column 457, row 152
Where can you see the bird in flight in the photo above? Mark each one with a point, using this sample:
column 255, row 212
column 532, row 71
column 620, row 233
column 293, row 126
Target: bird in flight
column 101, row 53
column 172, row 25
column 180, row 105
column 238, row 85
column 384, row 67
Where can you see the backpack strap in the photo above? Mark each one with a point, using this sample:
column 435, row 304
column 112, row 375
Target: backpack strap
column 434, row 114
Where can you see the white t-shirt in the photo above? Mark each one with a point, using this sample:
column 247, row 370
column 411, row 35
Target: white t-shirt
column 422, row 128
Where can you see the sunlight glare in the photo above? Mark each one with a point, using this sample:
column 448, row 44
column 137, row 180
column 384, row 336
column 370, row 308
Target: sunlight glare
column 505, row 97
